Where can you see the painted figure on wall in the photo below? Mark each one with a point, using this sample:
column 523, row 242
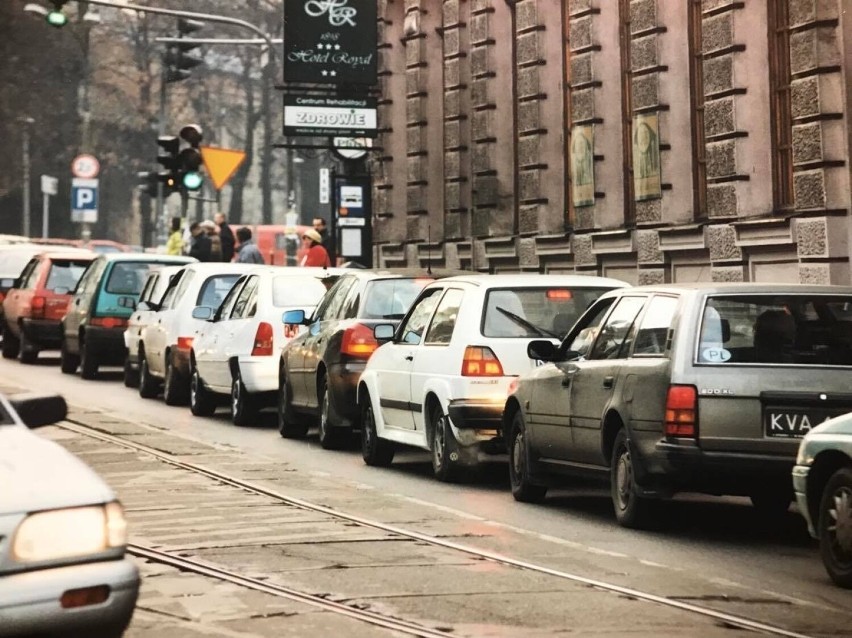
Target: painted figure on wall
column 582, row 166
column 646, row 157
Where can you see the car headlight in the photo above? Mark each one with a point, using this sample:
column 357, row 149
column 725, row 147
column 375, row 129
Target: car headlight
column 77, row 531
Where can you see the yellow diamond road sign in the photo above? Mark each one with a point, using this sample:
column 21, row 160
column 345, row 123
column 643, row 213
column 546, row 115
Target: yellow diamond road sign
column 221, row 163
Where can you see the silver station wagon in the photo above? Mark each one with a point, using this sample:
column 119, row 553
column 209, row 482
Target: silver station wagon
column 702, row 388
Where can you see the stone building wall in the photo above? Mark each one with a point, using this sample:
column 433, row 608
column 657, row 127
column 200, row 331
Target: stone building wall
column 480, row 97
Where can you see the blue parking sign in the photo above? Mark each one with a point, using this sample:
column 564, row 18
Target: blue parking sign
column 84, row 200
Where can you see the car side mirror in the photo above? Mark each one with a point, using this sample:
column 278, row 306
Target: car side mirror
column 127, row 302
column 204, row 313
column 384, row 332
column 37, row 410
column 296, row 317
column 543, row 350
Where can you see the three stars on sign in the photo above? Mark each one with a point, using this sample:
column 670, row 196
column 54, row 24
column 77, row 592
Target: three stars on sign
column 328, row 47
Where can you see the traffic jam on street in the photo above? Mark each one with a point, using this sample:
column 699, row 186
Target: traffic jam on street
column 459, row 319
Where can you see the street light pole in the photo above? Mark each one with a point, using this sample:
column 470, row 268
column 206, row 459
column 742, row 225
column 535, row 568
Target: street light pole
column 25, row 165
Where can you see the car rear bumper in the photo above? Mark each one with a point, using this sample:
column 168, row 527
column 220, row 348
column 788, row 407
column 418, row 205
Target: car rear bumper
column 107, row 344
column 800, row 489
column 343, row 388
column 43, row 332
column 259, row 374
column 30, row 602
column 476, row 414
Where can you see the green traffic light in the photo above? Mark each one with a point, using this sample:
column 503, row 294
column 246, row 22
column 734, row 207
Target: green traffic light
column 192, row 180
column 57, row 19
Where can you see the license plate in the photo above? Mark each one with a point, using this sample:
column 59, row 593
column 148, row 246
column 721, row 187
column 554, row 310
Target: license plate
column 793, row 423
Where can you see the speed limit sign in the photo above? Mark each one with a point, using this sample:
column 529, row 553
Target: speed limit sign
column 85, row 166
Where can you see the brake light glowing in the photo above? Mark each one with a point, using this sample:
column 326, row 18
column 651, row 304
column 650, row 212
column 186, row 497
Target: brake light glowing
column 559, row 295
column 262, row 340
column 37, row 304
column 108, row 322
column 291, row 330
column 358, row 341
column 480, row 361
column 682, row 411
column 184, row 343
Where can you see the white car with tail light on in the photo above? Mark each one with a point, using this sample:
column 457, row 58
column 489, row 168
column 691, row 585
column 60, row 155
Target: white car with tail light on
column 166, row 340
column 235, row 352
column 63, row 569
column 683, row 388
column 441, row 380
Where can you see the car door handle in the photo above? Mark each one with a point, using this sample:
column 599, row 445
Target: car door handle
column 608, row 382
column 409, row 357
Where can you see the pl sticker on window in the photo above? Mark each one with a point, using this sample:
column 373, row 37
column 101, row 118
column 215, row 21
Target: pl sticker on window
column 715, row 355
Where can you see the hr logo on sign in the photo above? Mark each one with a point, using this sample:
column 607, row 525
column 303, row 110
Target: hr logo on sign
column 338, row 13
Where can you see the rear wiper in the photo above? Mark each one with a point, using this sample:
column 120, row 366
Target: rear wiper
column 541, row 332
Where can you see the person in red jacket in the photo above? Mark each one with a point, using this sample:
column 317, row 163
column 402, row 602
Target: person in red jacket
column 317, row 255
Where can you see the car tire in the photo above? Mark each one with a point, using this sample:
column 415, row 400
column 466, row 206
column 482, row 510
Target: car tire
column 834, row 527
column 631, row 508
column 148, row 386
column 68, row 362
column 11, row 345
column 88, row 362
column 201, row 400
column 243, row 405
column 376, row 452
column 524, row 489
column 131, row 376
column 444, row 447
column 772, row 502
column 29, row 351
column 175, row 391
column 287, row 424
column 330, row 437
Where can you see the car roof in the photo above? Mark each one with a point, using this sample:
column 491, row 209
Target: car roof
column 148, row 258
column 538, row 280
column 69, row 253
column 223, row 267
column 744, row 288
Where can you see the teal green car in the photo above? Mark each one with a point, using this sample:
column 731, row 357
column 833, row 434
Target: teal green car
column 822, row 481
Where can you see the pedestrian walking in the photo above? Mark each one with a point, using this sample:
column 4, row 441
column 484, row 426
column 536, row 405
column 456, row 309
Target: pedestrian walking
column 226, row 236
column 247, row 250
column 317, row 255
column 200, row 245
column 174, row 245
column 212, row 231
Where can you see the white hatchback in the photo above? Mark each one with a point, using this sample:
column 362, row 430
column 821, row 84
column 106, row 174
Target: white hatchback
column 441, row 380
column 236, row 352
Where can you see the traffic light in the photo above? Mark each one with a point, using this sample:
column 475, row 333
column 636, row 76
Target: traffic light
column 178, row 64
column 189, row 159
column 169, row 160
column 57, row 17
column 147, row 182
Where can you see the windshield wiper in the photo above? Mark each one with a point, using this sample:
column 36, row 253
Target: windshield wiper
column 541, row 332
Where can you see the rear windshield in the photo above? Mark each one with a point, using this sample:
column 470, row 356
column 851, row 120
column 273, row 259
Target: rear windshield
column 296, row 291
column 785, row 329
column 535, row 312
column 65, row 274
column 214, row 290
column 128, row 277
column 390, row 298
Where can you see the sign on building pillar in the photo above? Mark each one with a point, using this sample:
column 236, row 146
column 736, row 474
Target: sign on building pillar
column 353, row 212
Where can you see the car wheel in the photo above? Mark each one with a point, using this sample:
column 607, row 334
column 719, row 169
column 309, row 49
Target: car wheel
column 68, row 362
column 376, row 452
column 330, row 437
column 201, row 400
column 631, row 509
column 772, row 502
column 287, row 425
column 148, row 385
column 131, row 376
column 445, row 453
column 11, row 345
column 29, row 351
column 174, row 387
column 243, row 405
column 835, row 527
column 523, row 489
column 88, row 362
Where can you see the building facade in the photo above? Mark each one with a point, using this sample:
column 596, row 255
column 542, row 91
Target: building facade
column 649, row 140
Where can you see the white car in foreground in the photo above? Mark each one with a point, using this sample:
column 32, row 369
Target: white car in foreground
column 441, row 380
column 237, row 349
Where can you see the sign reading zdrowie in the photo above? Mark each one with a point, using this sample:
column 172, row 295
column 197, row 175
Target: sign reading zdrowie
column 84, row 200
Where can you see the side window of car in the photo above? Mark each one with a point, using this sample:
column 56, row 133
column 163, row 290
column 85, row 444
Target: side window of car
column 327, row 298
column 581, row 337
column 654, row 328
column 335, row 302
column 412, row 331
column 148, row 289
column 441, row 329
column 227, row 305
column 171, row 291
column 29, row 275
column 243, row 298
column 612, row 341
column 187, row 278
column 97, row 275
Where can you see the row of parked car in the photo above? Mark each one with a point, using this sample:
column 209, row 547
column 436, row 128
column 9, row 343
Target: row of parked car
column 657, row 389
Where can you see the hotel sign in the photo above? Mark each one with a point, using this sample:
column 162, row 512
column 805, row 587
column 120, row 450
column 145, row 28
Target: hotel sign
column 329, row 116
column 330, row 41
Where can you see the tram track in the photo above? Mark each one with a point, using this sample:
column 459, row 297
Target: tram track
column 200, row 567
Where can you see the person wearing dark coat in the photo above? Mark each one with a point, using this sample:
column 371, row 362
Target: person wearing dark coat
column 226, row 236
column 201, row 246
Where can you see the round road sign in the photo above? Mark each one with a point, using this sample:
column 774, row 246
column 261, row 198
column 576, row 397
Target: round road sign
column 85, row 166
column 351, row 147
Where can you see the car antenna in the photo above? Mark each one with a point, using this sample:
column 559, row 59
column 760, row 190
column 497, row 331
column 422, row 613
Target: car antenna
column 429, row 249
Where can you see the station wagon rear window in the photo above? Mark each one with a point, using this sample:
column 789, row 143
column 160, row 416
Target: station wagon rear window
column 802, row 329
column 128, row 277
column 535, row 312
column 65, row 274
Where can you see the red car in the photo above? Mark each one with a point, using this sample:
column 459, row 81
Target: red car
column 33, row 308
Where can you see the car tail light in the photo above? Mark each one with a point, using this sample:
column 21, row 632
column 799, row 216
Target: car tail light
column 291, row 330
column 480, row 361
column 358, row 341
column 184, row 343
column 37, row 304
column 108, row 322
column 682, row 411
column 262, row 340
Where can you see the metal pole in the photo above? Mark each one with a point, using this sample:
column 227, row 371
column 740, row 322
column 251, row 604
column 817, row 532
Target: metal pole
column 45, row 215
column 26, row 185
column 160, row 207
